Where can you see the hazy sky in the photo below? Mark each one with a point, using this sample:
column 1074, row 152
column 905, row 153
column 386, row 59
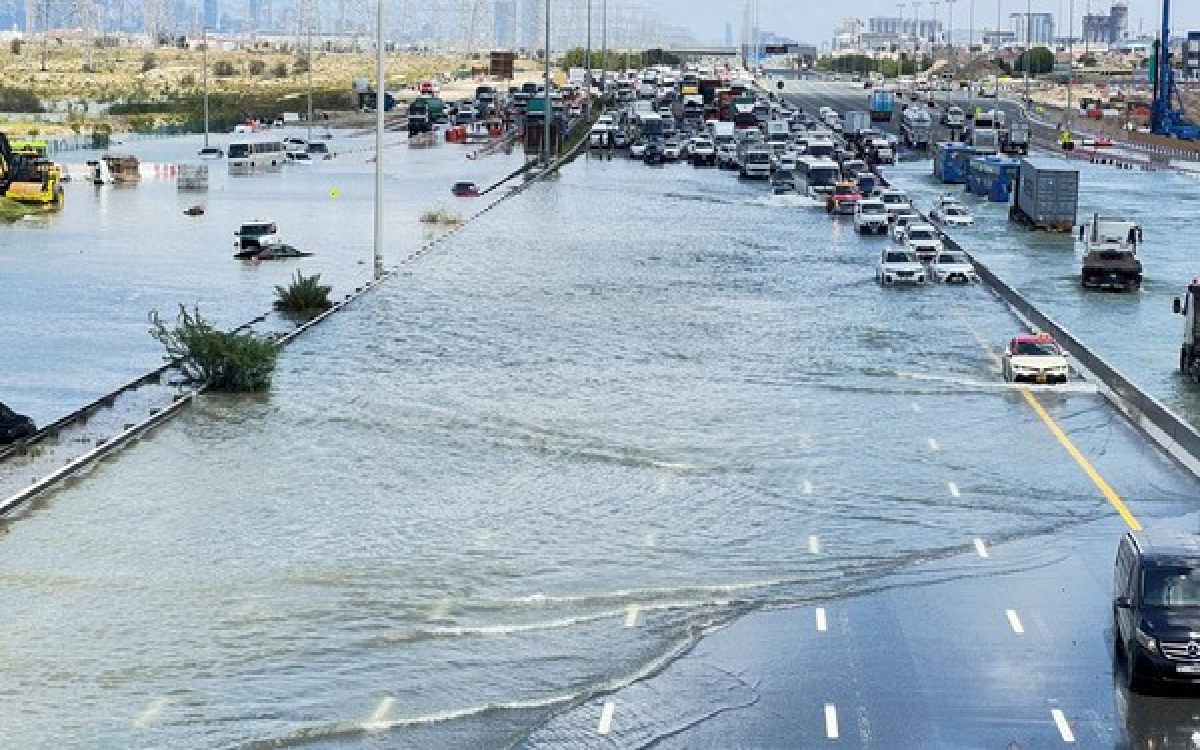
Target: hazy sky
column 813, row 20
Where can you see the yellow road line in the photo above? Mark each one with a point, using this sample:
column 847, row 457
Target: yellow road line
column 1113, row 498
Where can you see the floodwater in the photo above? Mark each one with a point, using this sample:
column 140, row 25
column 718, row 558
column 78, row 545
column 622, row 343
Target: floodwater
column 1136, row 333
column 618, row 410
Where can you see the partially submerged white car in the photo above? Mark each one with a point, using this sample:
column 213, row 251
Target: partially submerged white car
column 902, row 221
column 1034, row 358
column 870, row 216
column 953, row 267
column 951, row 214
column 924, row 240
column 899, row 267
column 895, row 201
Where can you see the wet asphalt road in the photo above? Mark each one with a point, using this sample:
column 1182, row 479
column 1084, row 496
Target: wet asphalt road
column 1008, row 645
column 628, row 440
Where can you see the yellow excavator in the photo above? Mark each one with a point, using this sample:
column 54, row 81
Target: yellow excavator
column 27, row 176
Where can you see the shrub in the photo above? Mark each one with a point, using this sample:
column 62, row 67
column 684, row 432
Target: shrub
column 224, row 361
column 280, row 70
column 256, row 67
column 223, row 68
column 149, row 62
column 306, row 296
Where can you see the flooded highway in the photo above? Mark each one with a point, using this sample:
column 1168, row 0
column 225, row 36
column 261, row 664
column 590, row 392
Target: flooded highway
column 527, row 475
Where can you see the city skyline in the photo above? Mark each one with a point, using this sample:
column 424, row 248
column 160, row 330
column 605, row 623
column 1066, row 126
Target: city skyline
column 815, row 21
column 652, row 22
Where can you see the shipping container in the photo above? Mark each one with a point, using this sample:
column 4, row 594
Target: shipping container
column 856, row 121
column 993, row 177
column 1047, row 195
column 951, row 161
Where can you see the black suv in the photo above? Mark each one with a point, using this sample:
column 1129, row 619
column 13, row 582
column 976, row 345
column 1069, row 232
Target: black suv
column 1156, row 608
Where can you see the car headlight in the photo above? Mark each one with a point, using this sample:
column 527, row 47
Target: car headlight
column 1149, row 642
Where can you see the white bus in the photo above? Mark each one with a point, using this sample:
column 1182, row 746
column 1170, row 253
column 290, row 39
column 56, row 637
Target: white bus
column 252, row 156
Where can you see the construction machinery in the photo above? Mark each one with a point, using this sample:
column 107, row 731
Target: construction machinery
column 28, row 176
column 1167, row 118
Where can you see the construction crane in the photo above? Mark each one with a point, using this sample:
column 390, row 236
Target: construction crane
column 1164, row 118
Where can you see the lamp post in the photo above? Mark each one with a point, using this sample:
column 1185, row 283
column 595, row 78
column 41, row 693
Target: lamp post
column 900, row 28
column 587, row 68
column 933, row 33
column 917, row 29
column 971, row 23
column 546, row 99
column 604, row 46
column 1070, row 62
column 998, row 22
column 950, row 27
column 1028, row 46
column 380, row 99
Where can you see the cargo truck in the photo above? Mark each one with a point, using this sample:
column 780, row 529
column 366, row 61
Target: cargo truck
column 1110, row 254
column 1015, row 139
column 1189, row 351
column 917, row 127
column 882, row 105
column 1046, row 195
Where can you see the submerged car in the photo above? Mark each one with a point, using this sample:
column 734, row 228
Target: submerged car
column 949, row 211
column 465, row 190
column 953, row 267
column 899, row 267
column 924, row 240
column 14, row 426
column 1034, row 358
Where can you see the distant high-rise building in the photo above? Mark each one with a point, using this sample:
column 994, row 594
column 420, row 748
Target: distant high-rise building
column 728, row 33
column 211, row 15
column 1107, row 29
column 1038, row 26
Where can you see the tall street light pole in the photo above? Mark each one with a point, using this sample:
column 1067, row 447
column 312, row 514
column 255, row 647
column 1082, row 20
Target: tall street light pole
column 380, row 103
column 604, row 46
column 998, row 22
column 971, row 23
column 546, row 100
column 933, row 31
column 587, row 67
column 1028, row 46
column 1070, row 62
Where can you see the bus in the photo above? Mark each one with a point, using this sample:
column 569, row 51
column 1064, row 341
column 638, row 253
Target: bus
column 252, row 156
